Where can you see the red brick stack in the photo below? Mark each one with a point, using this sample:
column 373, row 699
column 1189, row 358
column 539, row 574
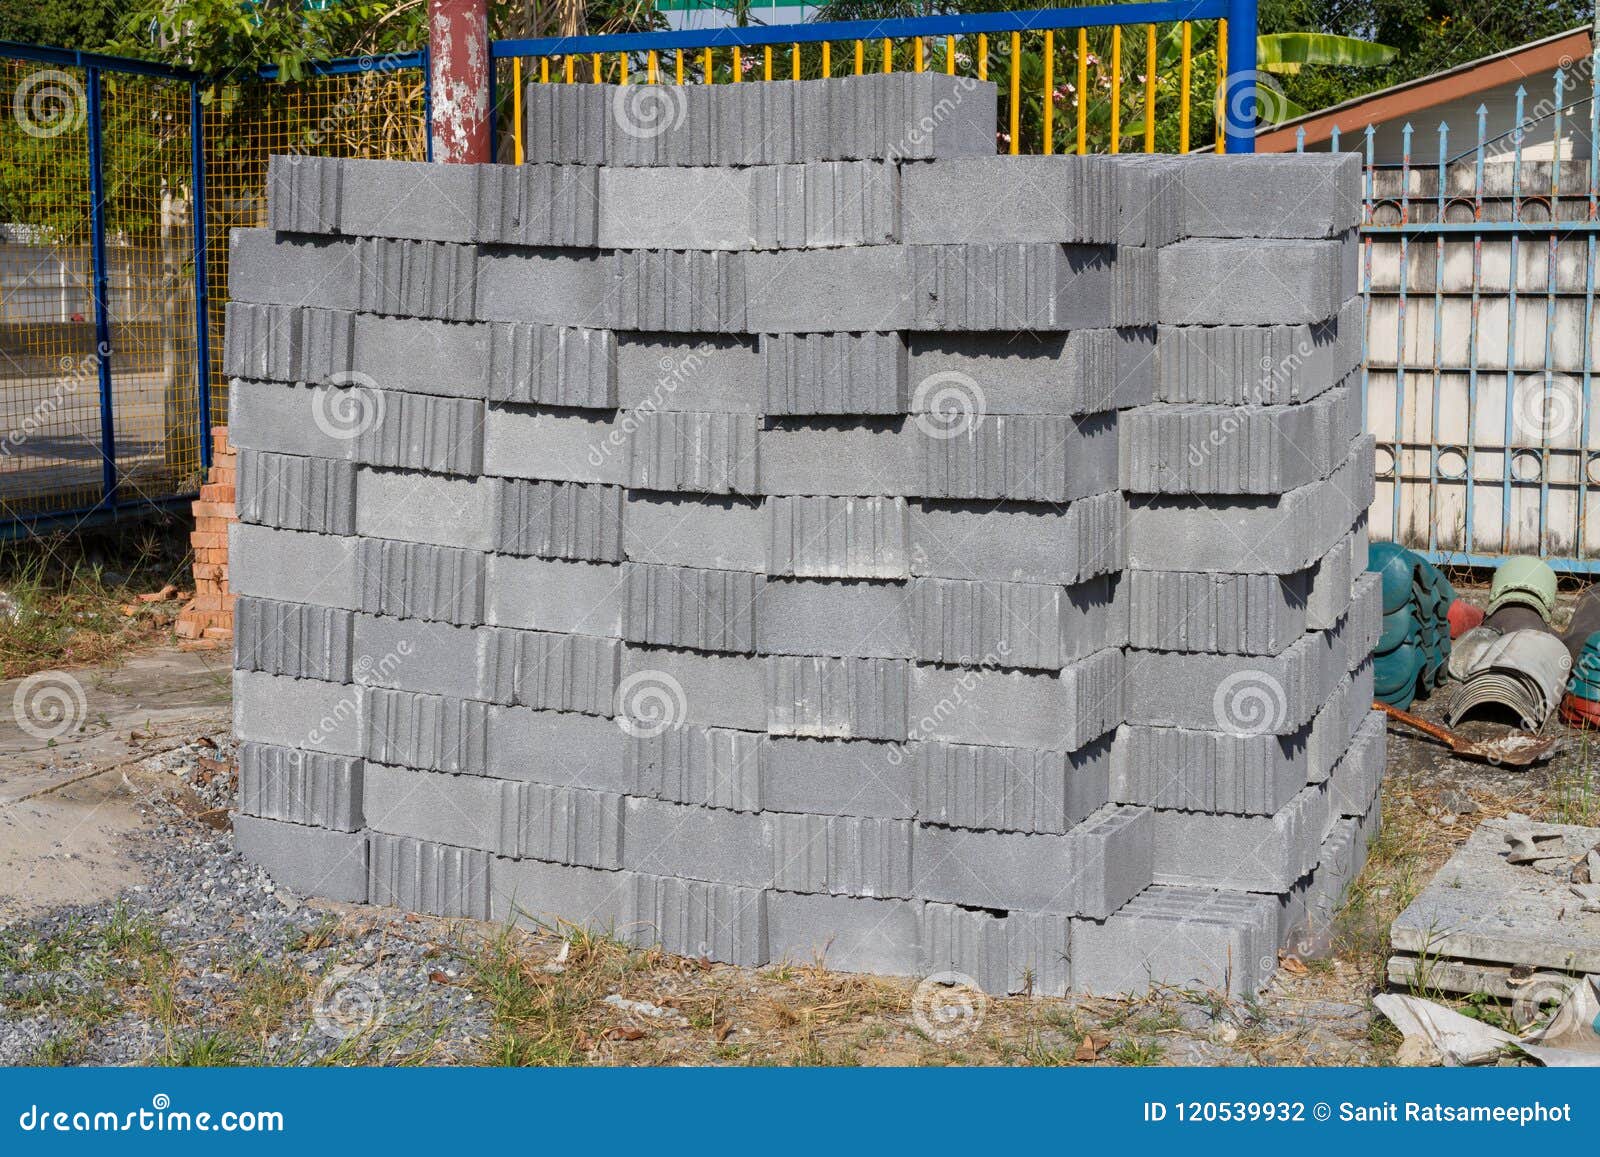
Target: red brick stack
column 207, row 619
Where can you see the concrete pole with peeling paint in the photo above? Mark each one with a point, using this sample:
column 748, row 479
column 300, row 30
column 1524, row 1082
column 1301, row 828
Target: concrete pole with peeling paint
column 458, row 62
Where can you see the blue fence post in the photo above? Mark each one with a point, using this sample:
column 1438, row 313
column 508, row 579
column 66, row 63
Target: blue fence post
column 427, row 104
column 202, row 293
column 101, row 287
column 1239, row 91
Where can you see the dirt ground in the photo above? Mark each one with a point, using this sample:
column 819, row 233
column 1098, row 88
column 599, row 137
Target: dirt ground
column 170, row 949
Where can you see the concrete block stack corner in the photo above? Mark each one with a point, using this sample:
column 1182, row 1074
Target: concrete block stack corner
column 787, row 528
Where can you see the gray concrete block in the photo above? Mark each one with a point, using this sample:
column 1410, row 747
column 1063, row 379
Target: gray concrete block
column 1239, row 694
column 676, row 291
column 565, row 672
column 406, row 199
column 283, row 419
column 1173, row 938
column 1092, row 870
column 293, row 566
column 1308, row 918
column 707, row 373
column 553, row 897
column 854, row 619
column 834, row 373
column 875, row 457
column 1019, row 952
column 1289, row 195
column 1183, row 449
column 425, row 508
column 852, row 289
column 565, row 287
column 836, row 698
column 416, row 278
column 1028, row 287
column 1026, row 625
column 681, row 208
column 556, row 445
column 284, row 269
column 1019, row 544
column 705, row 453
column 410, row 580
column 1247, row 614
column 286, row 343
column 558, row 748
column 300, row 787
column 464, row 811
column 899, row 116
column 552, row 365
column 565, row 124
column 568, row 520
column 705, row 610
column 425, row 731
column 1333, row 585
column 840, row 777
column 841, row 855
column 663, row 687
column 295, row 493
column 420, row 356
column 423, row 876
column 702, row 920
column 538, row 205
column 1023, row 457
column 566, row 825
column 698, row 843
column 1260, row 365
column 695, row 530
column 435, row 658
column 578, row 598
column 1058, row 711
column 1010, row 199
column 709, row 766
column 838, row 537
column 1256, row 282
column 844, row 202
column 850, row 933
column 295, row 639
column 303, row 194
column 1011, row 789
column 418, row 432
column 1243, row 853
column 1186, row 769
column 1356, row 778
column 1249, row 534
column 1087, row 371
column 310, row 861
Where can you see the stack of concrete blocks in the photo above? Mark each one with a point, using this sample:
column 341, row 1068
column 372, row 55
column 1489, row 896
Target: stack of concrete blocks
column 718, row 531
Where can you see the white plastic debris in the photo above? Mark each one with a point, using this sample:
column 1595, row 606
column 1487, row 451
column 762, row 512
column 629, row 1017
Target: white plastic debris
column 1572, row 1038
column 1437, row 1035
column 641, row 1007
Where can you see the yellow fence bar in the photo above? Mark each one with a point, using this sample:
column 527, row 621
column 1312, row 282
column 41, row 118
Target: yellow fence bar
column 599, row 68
column 1016, row 90
column 916, row 56
column 1185, row 69
column 544, row 70
column 680, row 66
column 794, row 59
column 570, row 63
column 622, row 67
column 738, row 65
column 653, row 67
column 1083, row 91
column 1116, row 88
column 1150, row 89
column 766, row 63
column 888, row 55
column 516, row 108
column 1049, row 91
column 860, row 56
column 705, row 68
column 983, row 56
column 827, row 59
column 1222, row 78
column 950, row 55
